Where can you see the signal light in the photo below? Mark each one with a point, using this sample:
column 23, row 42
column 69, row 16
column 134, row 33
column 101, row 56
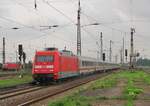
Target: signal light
column 103, row 56
column 126, row 52
column 24, row 57
column 35, row 4
column 20, row 49
column 20, row 58
column 138, row 54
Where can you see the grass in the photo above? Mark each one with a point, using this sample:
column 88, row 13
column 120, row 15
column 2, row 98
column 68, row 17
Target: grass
column 130, row 91
column 107, row 82
column 78, row 100
column 130, row 103
column 145, row 77
column 75, row 100
column 15, row 81
column 131, row 75
column 26, row 71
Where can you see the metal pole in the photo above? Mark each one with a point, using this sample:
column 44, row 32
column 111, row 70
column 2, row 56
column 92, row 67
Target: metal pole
column 121, row 59
column 123, row 52
column 3, row 50
column 110, row 51
column 79, row 31
column 116, row 59
column 97, row 55
column 132, row 49
column 101, row 40
column 16, row 56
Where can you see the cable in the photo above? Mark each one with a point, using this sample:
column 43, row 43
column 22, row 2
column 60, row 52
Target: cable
column 60, row 1
column 102, row 24
column 60, row 12
column 46, row 33
column 68, row 18
column 32, row 28
column 19, row 23
column 35, row 10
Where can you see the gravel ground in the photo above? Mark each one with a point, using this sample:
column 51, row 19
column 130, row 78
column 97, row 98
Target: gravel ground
column 13, row 101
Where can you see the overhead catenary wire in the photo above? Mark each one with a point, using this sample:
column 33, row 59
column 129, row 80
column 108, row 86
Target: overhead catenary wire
column 68, row 18
column 33, row 11
column 59, row 1
column 105, row 24
column 119, row 30
column 31, row 27
column 57, row 11
column 60, row 12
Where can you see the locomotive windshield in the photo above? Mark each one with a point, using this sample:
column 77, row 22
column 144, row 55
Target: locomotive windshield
column 44, row 58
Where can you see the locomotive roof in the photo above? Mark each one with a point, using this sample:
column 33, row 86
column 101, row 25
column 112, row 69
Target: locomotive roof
column 62, row 52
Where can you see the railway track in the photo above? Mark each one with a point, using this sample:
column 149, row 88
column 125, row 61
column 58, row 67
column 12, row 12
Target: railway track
column 17, row 92
column 34, row 95
column 6, row 77
column 4, row 91
column 3, row 77
column 63, row 89
column 15, row 88
column 11, row 73
column 5, row 74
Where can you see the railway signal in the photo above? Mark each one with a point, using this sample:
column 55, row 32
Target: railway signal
column 20, row 58
column 24, row 57
column 138, row 54
column 35, row 4
column 104, row 57
column 126, row 54
column 20, row 51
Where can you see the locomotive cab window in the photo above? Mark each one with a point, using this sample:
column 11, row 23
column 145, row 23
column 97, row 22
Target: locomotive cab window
column 44, row 58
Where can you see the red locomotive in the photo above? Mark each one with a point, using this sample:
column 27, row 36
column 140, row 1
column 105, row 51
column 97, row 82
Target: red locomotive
column 52, row 64
column 11, row 66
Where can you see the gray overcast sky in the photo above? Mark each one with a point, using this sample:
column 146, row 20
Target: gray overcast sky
column 114, row 15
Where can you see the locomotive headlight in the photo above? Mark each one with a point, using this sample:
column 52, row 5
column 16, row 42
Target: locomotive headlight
column 50, row 66
column 35, row 70
column 38, row 66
